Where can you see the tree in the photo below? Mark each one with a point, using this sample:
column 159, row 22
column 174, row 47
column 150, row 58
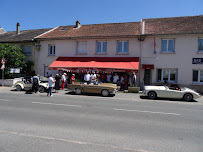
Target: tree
column 13, row 56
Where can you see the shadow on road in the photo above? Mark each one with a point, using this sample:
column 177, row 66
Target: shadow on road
column 89, row 94
column 166, row 99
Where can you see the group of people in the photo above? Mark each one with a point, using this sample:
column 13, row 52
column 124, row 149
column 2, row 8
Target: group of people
column 122, row 80
column 57, row 81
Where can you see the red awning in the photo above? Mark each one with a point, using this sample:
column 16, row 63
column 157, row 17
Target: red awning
column 147, row 66
column 99, row 63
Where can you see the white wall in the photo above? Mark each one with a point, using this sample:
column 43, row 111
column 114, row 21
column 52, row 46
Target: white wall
column 186, row 47
column 67, row 48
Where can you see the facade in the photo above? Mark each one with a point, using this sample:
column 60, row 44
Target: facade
column 169, row 49
column 24, row 40
column 174, row 46
column 99, row 41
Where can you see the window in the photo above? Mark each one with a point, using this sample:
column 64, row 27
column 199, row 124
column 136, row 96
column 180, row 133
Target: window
column 52, row 50
column 27, row 50
column 81, row 47
column 169, row 75
column 122, row 47
column 101, row 47
column 200, row 44
column 198, row 76
column 167, row 45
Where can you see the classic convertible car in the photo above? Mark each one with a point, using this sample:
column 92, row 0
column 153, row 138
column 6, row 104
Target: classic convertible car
column 170, row 92
column 26, row 84
column 101, row 88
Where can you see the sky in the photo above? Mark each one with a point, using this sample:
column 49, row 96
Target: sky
column 38, row 14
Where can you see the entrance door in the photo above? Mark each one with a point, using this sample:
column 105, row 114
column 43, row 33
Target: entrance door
column 147, row 77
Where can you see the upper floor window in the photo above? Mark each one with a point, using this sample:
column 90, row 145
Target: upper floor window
column 81, row 47
column 122, row 47
column 200, row 44
column 101, row 47
column 167, row 45
column 52, row 50
column 170, row 75
column 197, row 76
column 27, row 50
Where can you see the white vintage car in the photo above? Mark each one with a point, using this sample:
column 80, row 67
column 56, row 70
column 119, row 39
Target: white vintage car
column 170, row 92
column 26, row 84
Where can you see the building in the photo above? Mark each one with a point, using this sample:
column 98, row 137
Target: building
column 102, row 47
column 25, row 40
column 169, row 49
column 173, row 51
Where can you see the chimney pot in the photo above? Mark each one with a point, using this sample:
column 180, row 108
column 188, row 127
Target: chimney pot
column 18, row 28
column 77, row 24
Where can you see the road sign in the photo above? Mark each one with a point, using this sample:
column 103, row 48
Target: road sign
column 3, row 66
column 3, row 61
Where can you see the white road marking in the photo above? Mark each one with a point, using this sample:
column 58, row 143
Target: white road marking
column 148, row 112
column 69, row 141
column 56, row 104
column 4, row 100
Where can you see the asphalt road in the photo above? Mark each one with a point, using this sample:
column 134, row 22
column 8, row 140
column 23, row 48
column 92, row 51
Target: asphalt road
column 82, row 123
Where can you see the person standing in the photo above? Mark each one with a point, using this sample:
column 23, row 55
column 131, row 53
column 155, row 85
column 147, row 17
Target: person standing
column 115, row 78
column 57, row 83
column 108, row 77
column 66, row 82
column 72, row 78
column 87, row 77
column 134, row 79
column 51, row 82
column 93, row 77
column 63, row 80
column 35, row 85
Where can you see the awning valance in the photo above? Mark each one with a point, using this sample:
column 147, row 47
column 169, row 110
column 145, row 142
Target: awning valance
column 147, row 66
column 96, row 63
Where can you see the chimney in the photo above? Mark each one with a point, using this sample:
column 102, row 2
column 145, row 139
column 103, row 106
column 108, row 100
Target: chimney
column 18, row 28
column 143, row 27
column 77, row 24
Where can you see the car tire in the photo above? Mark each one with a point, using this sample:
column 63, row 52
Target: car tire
column 152, row 95
column 78, row 91
column 41, row 89
column 188, row 97
column 18, row 88
column 105, row 93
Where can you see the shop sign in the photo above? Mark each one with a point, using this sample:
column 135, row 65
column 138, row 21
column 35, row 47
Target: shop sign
column 197, row 60
column 14, row 70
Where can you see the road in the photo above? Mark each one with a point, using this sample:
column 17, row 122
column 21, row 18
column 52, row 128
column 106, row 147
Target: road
column 82, row 123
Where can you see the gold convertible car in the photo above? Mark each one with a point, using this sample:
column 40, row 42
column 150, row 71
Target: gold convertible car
column 100, row 88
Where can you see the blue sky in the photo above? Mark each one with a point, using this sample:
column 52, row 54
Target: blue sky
column 36, row 14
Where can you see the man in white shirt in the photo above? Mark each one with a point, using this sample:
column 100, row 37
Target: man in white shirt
column 51, row 82
column 87, row 77
column 115, row 78
column 93, row 76
column 63, row 80
column 134, row 79
column 108, row 77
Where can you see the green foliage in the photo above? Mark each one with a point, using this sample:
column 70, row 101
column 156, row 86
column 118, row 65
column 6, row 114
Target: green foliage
column 14, row 57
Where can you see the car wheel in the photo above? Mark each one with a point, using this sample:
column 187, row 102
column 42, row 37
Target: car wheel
column 18, row 88
column 105, row 93
column 78, row 91
column 188, row 97
column 152, row 95
column 41, row 89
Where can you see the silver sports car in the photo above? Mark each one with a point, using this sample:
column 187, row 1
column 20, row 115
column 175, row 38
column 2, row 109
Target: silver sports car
column 170, row 92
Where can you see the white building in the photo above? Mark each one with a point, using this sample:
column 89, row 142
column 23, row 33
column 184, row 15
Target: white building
column 169, row 49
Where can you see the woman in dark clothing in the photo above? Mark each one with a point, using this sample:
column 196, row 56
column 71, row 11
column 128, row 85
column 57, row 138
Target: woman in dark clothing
column 57, row 83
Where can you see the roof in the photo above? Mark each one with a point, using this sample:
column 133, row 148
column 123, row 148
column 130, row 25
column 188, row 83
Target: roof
column 23, row 36
column 174, row 25
column 113, row 63
column 155, row 26
column 95, row 30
